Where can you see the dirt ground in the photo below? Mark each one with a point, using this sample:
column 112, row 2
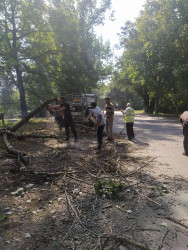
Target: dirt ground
column 73, row 197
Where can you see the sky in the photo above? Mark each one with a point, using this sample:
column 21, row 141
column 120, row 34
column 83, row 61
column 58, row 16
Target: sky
column 124, row 10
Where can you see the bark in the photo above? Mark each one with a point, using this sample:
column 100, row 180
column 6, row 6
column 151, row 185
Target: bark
column 157, row 107
column 146, row 103
column 149, row 106
column 173, row 84
column 17, row 67
column 152, row 106
column 31, row 114
column 20, row 155
column 21, row 89
column 2, row 118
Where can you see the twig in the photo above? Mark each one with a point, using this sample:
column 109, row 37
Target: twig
column 141, row 167
column 79, row 180
column 148, row 198
column 162, row 240
column 176, row 221
column 79, row 217
column 68, row 231
column 120, row 132
column 126, row 242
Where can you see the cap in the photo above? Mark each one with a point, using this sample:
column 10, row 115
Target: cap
column 128, row 104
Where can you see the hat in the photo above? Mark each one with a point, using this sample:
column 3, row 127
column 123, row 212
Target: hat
column 128, row 104
column 107, row 98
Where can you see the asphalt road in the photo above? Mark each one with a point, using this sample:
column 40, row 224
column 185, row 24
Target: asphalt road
column 159, row 137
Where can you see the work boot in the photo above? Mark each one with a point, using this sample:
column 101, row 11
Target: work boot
column 76, row 139
column 99, row 147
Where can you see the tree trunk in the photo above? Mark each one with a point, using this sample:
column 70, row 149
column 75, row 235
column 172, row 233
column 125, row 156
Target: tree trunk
column 152, row 106
column 149, row 106
column 31, row 114
column 16, row 65
column 157, row 107
column 21, row 92
column 146, row 103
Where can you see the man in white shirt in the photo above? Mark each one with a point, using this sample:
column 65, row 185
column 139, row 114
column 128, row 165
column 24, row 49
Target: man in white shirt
column 99, row 116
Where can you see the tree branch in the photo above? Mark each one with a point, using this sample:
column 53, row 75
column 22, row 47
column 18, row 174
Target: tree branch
column 31, row 114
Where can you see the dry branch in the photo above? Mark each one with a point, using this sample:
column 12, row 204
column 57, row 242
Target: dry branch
column 176, row 221
column 31, row 114
column 21, row 136
column 10, row 148
column 162, row 240
column 20, row 155
column 127, row 242
column 78, row 218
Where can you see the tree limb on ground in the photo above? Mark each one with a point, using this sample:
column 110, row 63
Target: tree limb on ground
column 4, row 132
column 20, row 155
column 31, row 114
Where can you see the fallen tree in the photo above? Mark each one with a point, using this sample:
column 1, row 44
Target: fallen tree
column 31, row 114
column 11, row 132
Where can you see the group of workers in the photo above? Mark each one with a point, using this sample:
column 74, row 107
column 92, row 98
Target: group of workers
column 100, row 117
column 103, row 118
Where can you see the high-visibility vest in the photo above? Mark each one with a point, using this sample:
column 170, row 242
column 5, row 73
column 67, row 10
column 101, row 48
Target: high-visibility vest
column 129, row 117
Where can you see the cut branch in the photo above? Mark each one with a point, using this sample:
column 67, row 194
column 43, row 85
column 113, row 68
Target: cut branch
column 31, row 114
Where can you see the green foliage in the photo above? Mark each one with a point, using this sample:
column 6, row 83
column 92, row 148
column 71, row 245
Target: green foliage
column 3, row 218
column 8, row 123
column 110, row 189
column 49, row 50
column 155, row 55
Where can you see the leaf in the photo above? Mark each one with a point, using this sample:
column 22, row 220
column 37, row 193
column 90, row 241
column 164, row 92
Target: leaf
column 163, row 224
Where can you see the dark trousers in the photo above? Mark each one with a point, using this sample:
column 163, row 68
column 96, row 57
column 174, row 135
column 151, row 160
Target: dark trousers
column 185, row 142
column 59, row 120
column 130, row 131
column 70, row 123
column 100, row 134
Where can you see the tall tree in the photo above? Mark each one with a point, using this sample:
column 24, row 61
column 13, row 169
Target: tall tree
column 155, row 56
column 19, row 19
column 49, row 47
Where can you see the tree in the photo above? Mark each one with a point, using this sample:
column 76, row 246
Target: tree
column 16, row 25
column 49, row 48
column 155, row 55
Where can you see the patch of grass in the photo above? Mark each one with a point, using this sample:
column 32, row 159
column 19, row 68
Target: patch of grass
column 3, row 218
column 163, row 114
column 8, row 123
column 139, row 111
column 109, row 190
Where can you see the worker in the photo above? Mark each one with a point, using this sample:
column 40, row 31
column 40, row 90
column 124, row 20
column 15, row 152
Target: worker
column 59, row 117
column 68, row 121
column 100, row 122
column 109, row 114
column 184, row 123
column 129, row 114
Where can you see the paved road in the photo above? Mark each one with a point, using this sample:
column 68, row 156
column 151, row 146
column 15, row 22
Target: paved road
column 159, row 137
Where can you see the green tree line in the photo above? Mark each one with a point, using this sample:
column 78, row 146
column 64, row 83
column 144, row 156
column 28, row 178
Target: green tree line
column 154, row 64
column 49, row 48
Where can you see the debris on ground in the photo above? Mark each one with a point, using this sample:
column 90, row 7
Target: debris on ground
column 71, row 196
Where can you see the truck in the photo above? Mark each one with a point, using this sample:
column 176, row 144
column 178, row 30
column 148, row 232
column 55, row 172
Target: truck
column 80, row 105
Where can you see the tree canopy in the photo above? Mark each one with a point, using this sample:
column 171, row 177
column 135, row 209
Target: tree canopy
column 155, row 55
column 48, row 48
